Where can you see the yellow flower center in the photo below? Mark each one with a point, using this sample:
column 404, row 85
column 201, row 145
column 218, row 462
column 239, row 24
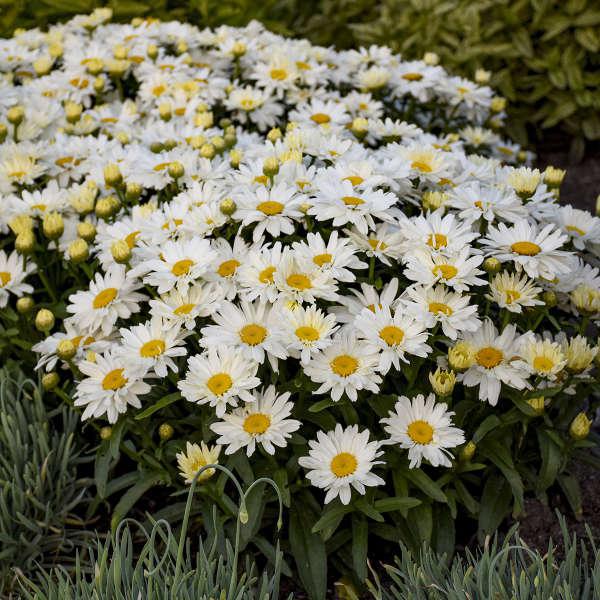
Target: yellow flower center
column 512, row 296
column 184, row 309
column 392, row 335
column 257, row 423
column 158, row 90
column 575, row 229
column 412, row 76
column 262, row 179
column 307, row 334
column 228, row 268
column 526, row 248
column 270, row 208
column 219, row 383
column 322, row 259
column 352, row 201
column 278, row 74
column 446, row 272
column 320, row 118
column 253, row 334
column 543, row 364
column 130, row 239
column 439, row 307
column 354, row 179
column 343, row 464
column 182, row 267
column 266, row 275
column 299, row 281
column 421, row 166
column 344, row 365
column 437, row 241
column 489, row 357
column 377, row 244
column 5, row 277
column 152, row 349
column 104, row 298
column 420, row 432
column 114, row 380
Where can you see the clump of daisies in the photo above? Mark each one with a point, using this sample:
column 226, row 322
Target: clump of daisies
column 325, row 264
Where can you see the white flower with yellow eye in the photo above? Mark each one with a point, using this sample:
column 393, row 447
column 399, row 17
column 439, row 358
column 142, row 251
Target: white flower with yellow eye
column 109, row 297
column 195, row 458
column 183, row 308
column 154, row 345
column 109, row 386
column 219, row 377
column 384, row 243
column 263, row 421
column 394, row 333
column 581, row 226
column 340, row 460
column 534, row 249
column 513, row 291
column 257, row 273
column 306, row 331
column 544, row 357
column 224, row 269
column 425, row 428
column 13, row 271
column 346, row 366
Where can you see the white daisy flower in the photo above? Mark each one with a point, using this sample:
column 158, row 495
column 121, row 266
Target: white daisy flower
column 219, row 377
column 194, row 458
column 513, row 291
column 340, row 460
column 582, row 227
column 257, row 273
column 13, row 271
column 109, row 386
column 384, row 243
column 264, row 421
column 544, row 357
column 425, row 428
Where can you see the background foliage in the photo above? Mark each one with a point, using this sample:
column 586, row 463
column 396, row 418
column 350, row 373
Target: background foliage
column 544, row 55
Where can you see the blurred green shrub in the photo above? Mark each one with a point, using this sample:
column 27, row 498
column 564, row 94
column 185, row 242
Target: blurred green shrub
column 544, row 55
column 39, row 487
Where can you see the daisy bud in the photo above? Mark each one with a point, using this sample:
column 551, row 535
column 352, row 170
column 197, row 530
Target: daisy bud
column 73, row 111
column 55, row 49
column 431, row 59
column 15, row 115
column 98, row 84
column 538, row 404
column 152, row 51
column 53, row 225
column 549, row 298
column 202, row 107
column 121, row 251
column 86, row 231
column 165, row 432
column 112, row 175
column 492, row 265
column 225, row 124
column 79, row 250
column 218, row 142
column 228, row 207
column 482, row 76
column 176, row 170
column 244, row 516
column 274, row 135
column 579, row 354
column 230, row 140
column 106, row 433
column 4, row 133
column 42, row 65
column 468, row 451
column 170, row 144
column 21, row 223
column 116, row 68
column 182, row 47
column 235, row 158
column 238, row 49
column 271, row 166
column 25, row 242
column 207, row 151
column 25, row 305
column 44, row 320
column 66, row 350
column 156, row 147
column 360, row 127
column 580, row 427
column 133, row 191
column 106, row 207
column 586, row 299
column 50, row 381
column 442, row 382
column 433, row 200
column 498, row 104
column 554, row 177
column 461, row 356
column 164, row 111
column 123, row 138
column 94, row 66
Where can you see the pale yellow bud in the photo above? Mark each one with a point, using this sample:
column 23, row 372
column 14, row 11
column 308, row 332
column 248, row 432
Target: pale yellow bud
column 86, row 231
column 554, row 177
column 25, row 305
column 238, row 49
column 106, row 433
column 3, row 132
column 25, row 242
column 152, row 51
column 235, row 158
column 431, row 59
column 227, row 207
column 176, row 170
column 53, row 225
column 271, row 166
column 21, row 223
column 55, row 49
column 121, row 251
column 98, row 84
column 207, row 151
column 66, row 349
column 42, row 65
column 15, row 115
column 468, row 451
column 79, row 250
column 482, row 76
column 461, row 356
column 498, row 104
column 133, row 191
column 274, row 134
column 442, row 381
column 538, row 404
column 492, row 265
column 94, row 66
column 434, row 200
column 50, row 381
column 44, row 320
column 112, row 175
column 586, row 299
column 549, row 298
column 204, row 120
column 73, row 111
column 580, row 427
column 165, row 431
column 165, row 111
column 360, row 127
column 106, row 207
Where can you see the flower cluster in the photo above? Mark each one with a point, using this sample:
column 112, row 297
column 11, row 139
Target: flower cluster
column 252, row 220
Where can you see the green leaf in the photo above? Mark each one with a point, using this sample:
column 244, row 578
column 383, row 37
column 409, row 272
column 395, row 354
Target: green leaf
column 162, row 403
column 360, row 546
column 101, row 468
column 572, row 491
column 331, row 518
column 132, row 495
column 487, row 425
column 551, row 461
column 424, row 483
column 321, row 405
column 395, row 504
column 495, row 505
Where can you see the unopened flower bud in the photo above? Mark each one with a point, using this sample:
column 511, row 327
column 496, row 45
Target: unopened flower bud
column 580, row 427
column 165, row 432
column 86, row 231
column 433, row 200
column 42, row 65
column 50, row 381
column 468, row 451
column 482, row 76
column 238, row 49
column 156, row 147
column 106, row 433
column 152, row 51
column 25, row 305
column 218, row 142
column 207, row 151
column 66, row 349
column 73, row 111
column 55, row 49
column 25, row 242
column 549, row 298
column 3, row 132
column 133, row 191
column 204, row 120
column 538, row 404
column 53, row 225
column 94, row 66
column 79, row 250
column 106, row 207
column 274, row 135
column 165, row 111
column 442, row 381
column 431, row 59
column 360, row 127
column 121, row 251
column 15, row 115
column 461, row 356
column 98, row 85
column 230, row 140
column 271, row 166
column 554, row 177
column 44, row 320
column 235, row 158
column 498, row 104
column 112, row 175
column 228, row 207
column 176, row 170
column 492, row 265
